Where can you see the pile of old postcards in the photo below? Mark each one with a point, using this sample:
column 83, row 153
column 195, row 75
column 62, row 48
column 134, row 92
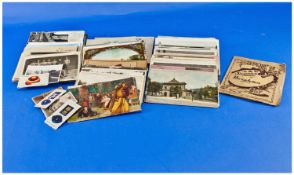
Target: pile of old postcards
column 111, row 74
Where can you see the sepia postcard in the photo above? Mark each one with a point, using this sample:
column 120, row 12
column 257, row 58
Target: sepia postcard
column 255, row 80
column 54, row 71
column 70, row 61
column 56, row 37
column 106, row 99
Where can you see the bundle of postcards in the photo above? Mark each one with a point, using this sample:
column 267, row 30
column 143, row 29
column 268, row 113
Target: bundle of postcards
column 184, row 71
column 112, row 77
column 50, row 57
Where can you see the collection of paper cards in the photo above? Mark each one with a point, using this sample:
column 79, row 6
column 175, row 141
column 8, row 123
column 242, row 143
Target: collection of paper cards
column 55, row 53
column 57, row 105
column 115, row 75
column 184, row 71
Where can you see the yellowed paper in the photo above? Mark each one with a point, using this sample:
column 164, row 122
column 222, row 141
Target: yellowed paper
column 254, row 80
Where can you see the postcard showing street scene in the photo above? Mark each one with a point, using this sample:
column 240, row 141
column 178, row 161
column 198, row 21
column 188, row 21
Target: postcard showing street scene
column 106, row 99
column 183, row 87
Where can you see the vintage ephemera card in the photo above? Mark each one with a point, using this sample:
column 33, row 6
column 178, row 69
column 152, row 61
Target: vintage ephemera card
column 254, row 80
column 123, row 56
column 183, row 84
column 106, row 99
column 51, row 98
column 66, row 110
column 33, row 80
column 148, row 43
column 54, row 71
column 70, row 64
column 95, row 75
column 56, row 37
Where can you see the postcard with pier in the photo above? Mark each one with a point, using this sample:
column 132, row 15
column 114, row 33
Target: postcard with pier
column 124, row 56
column 106, row 99
column 254, row 80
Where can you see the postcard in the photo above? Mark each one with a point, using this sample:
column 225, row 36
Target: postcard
column 56, row 37
column 106, row 99
column 33, row 80
column 255, row 80
column 187, row 42
column 51, row 49
column 54, row 71
column 148, row 43
column 70, row 61
column 61, row 115
column 180, row 84
column 95, row 75
column 124, row 56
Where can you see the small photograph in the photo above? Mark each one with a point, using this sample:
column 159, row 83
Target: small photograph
column 183, row 87
column 106, row 99
column 54, row 71
column 127, row 56
column 69, row 62
column 47, row 37
column 33, row 80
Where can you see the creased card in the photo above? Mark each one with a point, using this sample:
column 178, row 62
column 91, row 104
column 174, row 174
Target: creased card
column 62, row 114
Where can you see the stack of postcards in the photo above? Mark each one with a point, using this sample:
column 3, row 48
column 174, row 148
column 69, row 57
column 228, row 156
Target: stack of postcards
column 50, row 57
column 184, row 71
column 110, row 74
column 112, row 77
